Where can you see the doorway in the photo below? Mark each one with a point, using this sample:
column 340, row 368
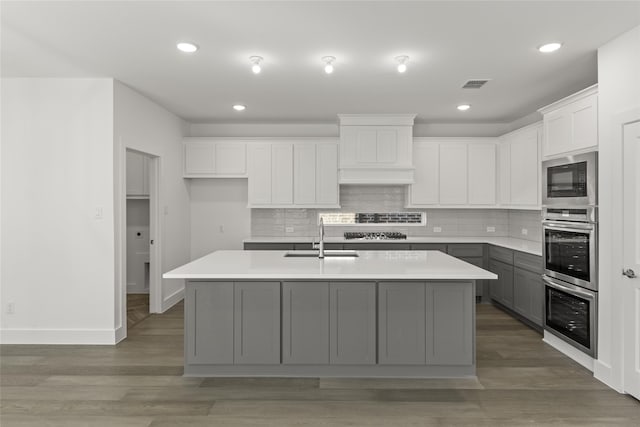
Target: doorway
column 142, row 287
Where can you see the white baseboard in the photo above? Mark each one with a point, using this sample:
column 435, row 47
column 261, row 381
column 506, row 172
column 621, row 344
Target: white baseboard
column 172, row 300
column 568, row 350
column 604, row 373
column 58, row 336
column 121, row 334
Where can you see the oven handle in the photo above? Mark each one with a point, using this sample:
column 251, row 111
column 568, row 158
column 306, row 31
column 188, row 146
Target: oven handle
column 575, row 227
column 569, row 289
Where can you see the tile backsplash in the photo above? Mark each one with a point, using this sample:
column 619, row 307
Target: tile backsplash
column 391, row 198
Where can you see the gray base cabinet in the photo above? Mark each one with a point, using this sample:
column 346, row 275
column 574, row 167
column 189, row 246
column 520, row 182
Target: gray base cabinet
column 451, row 324
column 401, row 323
column 501, row 290
column 352, row 321
column 209, row 323
column 305, row 323
column 256, row 323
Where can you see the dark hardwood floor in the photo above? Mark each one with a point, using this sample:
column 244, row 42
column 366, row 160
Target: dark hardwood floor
column 521, row 381
column 137, row 309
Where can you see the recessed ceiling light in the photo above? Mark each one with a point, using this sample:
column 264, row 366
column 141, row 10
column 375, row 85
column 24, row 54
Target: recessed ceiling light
column 239, row 107
column 463, row 107
column 187, row 47
column 328, row 63
column 402, row 63
column 550, row 47
column 256, row 60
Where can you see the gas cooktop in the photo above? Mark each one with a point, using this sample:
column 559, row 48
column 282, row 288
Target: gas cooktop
column 375, row 235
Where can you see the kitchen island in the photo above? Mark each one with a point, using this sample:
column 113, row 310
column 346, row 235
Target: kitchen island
column 380, row 314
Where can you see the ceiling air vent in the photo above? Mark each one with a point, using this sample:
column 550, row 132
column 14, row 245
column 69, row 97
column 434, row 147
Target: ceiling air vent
column 474, row 84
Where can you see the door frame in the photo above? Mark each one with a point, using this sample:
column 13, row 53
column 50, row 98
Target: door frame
column 155, row 233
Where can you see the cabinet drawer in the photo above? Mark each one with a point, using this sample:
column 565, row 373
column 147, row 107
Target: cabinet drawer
column 268, row 246
column 442, row 247
column 371, row 246
column 464, row 250
column 529, row 262
column 501, row 254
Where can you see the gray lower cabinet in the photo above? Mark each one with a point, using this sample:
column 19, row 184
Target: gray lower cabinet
column 352, row 322
column 375, row 246
column 442, row 247
column 478, row 262
column 528, row 294
column 305, row 323
column 401, row 323
column 268, row 246
column 256, row 323
column 209, row 323
column 501, row 290
column 451, row 324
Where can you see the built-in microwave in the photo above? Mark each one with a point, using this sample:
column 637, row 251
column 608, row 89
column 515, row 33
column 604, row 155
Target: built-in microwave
column 570, row 181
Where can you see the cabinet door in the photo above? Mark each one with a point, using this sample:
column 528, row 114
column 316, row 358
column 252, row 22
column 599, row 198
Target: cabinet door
column 525, row 169
column 259, row 174
column 230, row 158
column 282, row 174
column 257, row 322
column 305, row 323
column 482, row 174
column 425, row 189
column 495, row 286
column 506, row 282
column 478, row 262
column 327, row 174
column 504, row 172
column 401, row 323
column 450, row 325
column 453, row 174
column 521, row 293
column 210, row 306
column 304, row 174
column 584, row 123
column 352, row 323
column 536, row 290
column 199, row 158
column 557, row 133
column 137, row 171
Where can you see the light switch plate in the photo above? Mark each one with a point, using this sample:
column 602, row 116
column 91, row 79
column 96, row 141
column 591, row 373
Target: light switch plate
column 288, row 229
column 524, row 231
column 437, row 229
column 491, row 229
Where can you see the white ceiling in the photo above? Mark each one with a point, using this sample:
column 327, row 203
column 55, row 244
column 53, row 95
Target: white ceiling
column 448, row 42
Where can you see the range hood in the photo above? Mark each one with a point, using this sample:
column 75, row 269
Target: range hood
column 376, row 149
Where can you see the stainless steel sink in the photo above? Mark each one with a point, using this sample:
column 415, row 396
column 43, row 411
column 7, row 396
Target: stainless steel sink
column 327, row 254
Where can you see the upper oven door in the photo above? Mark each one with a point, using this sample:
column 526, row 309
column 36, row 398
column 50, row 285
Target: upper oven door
column 569, row 252
column 570, row 181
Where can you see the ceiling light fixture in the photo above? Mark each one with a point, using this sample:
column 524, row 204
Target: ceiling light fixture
column 550, row 47
column 463, row 107
column 187, row 47
column 239, row 107
column 402, row 63
column 256, row 60
column 328, row 63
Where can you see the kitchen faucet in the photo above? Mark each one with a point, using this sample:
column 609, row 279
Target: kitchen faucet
column 321, row 242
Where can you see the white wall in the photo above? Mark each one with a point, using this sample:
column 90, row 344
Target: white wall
column 220, row 218
column 57, row 171
column 143, row 125
column 618, row 91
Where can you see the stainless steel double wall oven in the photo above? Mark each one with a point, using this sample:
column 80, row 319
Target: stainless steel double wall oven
column 570, row 249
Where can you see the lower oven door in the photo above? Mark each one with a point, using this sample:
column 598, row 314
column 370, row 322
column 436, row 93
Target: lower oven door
column 570, row 313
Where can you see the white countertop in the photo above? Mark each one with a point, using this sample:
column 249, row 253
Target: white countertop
column 370, row 265
column 527, row 246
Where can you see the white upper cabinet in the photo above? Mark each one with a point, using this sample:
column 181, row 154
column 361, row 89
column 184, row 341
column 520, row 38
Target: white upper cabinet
column 296, row 174
column 519, row 168
column 214, row 158
column 481, row 158
column 376, row 149
column 454, row 172
column 571, row 124
column 137, row 175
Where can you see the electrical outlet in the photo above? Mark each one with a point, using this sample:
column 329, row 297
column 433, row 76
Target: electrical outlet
column 437, row 229
column 491, row 229
column 11, row 308
column 97, row 214
column 524, row 231
column 288, row 229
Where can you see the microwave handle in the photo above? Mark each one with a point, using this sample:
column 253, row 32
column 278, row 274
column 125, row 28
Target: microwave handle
column 572, row 290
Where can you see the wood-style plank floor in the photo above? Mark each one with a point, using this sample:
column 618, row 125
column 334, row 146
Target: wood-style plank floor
column 137, row 309
column 521, row 381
